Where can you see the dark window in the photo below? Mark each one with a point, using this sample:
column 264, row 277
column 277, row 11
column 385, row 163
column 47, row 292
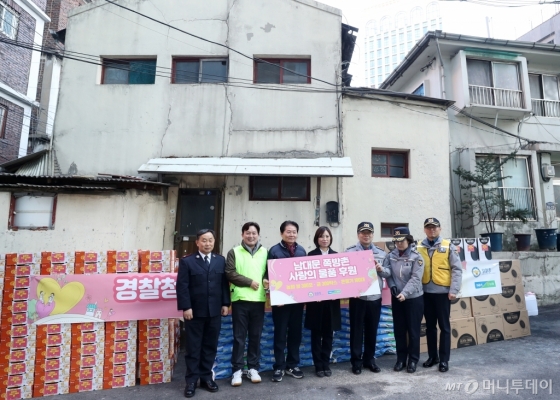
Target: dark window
column 282, row 71
column 389, row 164
column 196, row 70
column 3, row 119
column 545, row 95
column 279, row 188
column 388, row 228
column 129, row 72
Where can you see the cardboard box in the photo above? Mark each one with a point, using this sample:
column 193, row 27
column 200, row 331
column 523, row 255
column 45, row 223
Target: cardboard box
column 463, row 333
column 516, row 324
column 489, row 328
column 486, row 305
column 513, row 298
column 461, row 308
column 510, row 272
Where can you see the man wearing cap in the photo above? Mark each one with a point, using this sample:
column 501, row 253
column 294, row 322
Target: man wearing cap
column 441, row 283
column 365, row 311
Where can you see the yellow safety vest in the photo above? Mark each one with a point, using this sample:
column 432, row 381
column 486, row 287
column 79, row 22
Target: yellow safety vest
column 253, row 267
column 436, row 267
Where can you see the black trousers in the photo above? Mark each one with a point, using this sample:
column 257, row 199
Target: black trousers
column 407, row 317
column 364, row 319
column 437, row 308
column 321, row 341
column 287, row 320
column 202, row 344
column 247, row 317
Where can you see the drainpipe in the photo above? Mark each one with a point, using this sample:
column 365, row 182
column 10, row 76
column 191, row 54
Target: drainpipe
column 441, row 71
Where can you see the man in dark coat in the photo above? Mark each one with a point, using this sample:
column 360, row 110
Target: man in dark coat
column 202, row 295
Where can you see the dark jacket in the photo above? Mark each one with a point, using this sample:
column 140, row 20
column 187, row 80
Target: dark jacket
column 279, row 251
column 314, row 310
column 203, row 289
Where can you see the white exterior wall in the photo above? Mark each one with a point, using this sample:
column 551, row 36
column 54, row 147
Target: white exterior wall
column 96, row 222
column 377, row 124
column 124, row 126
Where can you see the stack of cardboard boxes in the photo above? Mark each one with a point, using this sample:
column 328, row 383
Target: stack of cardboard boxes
column 17, row 339
column 120, row 354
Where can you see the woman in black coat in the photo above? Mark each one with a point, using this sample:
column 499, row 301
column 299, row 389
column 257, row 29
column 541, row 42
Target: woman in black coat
column 322, row 317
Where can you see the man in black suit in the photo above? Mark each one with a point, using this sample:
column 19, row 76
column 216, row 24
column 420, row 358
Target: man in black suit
column 203, row 295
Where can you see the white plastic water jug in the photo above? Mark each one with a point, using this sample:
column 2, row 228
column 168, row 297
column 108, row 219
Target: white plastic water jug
column 531, row 302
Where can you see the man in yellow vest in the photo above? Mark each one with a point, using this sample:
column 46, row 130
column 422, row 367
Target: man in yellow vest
column 245, row 269
column 441, row 282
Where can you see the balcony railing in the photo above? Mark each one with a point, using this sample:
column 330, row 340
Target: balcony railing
column 546, row 108
column 521, row 198
column 490, row 96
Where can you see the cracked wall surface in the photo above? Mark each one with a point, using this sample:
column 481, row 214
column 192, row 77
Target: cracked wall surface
column 124, row 126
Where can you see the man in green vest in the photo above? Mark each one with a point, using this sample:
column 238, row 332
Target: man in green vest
column 245, row 269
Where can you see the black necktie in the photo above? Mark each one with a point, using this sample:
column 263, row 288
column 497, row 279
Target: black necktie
column 207, row 261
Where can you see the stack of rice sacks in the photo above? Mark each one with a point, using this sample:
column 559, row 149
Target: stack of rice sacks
column 341, row 343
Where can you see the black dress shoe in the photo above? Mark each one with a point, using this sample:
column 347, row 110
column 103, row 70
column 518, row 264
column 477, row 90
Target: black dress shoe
column 399, row 366
column 190, row 389
column 320, row 374
column 328, row 371
column 356, row 370
column 411, row 367
column 443, row 366
column 373, row 368
column 430, row 362
column 209, row 385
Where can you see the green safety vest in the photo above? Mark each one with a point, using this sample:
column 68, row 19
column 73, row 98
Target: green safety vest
column 253, row 267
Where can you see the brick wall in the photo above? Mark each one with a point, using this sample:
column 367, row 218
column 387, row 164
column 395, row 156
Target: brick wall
column 15, row 61
column 9, row 144
column 41, row 3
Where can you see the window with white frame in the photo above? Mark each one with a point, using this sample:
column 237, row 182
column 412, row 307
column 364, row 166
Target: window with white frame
column 545, row 95
column 515, row 183
column 32, row 211
column 8, row 21
column 3, row 119
column 494, row 83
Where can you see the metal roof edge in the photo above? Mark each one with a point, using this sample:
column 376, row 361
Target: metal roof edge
column 366, row 93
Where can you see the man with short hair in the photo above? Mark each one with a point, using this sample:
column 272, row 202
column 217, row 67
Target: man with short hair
column 441, row 283
column 365, row 311
column 202, row 295
column 288, row 319
column 245, row 269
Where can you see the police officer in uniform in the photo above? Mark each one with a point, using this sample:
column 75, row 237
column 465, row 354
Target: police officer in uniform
column 203, row 296
column 403, row 268
column 365, row 311
column 442, row 281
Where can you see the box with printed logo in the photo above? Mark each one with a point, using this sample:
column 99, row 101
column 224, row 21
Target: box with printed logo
column 463, row 333
column 489, row 328
column 119, row 381
column 516, row 324
column 460, row 308
column 20, row 392
column 510, row 272
column 513, row 298
column 486, row 305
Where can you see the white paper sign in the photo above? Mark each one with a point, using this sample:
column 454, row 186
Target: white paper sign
column 481, row 278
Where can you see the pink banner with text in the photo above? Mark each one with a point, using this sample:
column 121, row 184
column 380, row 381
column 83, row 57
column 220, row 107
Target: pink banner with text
column 56, row 299
column 326, row 277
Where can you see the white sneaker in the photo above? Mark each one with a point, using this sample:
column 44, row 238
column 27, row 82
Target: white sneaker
column 236, row 378
column 254, row 376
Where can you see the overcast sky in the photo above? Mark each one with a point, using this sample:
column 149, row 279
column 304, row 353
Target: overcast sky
column 467, row 18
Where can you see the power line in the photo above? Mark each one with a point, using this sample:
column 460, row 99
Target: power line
column 218, row 44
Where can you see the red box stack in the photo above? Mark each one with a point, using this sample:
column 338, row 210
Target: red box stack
column 120, row 354
column 17, row 338
column 86, row 363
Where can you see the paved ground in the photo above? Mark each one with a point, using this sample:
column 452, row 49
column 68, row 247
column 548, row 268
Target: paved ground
column 533, row 357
